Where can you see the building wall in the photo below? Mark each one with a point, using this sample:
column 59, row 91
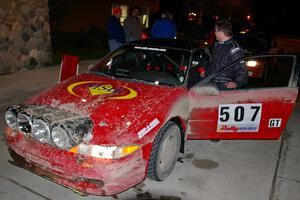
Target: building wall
column 25, row 41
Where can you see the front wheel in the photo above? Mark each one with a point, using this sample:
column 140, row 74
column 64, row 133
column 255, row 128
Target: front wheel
column 164, row 152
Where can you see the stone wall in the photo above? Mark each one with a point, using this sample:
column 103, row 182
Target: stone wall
column 25, row 41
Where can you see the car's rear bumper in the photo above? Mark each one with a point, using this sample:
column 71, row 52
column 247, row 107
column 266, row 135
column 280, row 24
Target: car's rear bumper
column 82, row 174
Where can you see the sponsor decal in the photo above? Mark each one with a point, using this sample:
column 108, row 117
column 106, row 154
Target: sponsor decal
column 96, row 88
column 239, row 117
column 195, row 63
column 148, row 128
column 101, row 89
column 225, row 128
column 150, row 48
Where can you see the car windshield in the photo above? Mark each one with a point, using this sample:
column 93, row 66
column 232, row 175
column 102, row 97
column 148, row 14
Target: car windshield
column 160, row 66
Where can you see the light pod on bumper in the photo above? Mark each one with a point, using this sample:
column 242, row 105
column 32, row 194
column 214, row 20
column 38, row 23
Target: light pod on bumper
column 24, row 123
column 49, row 125
column 40, row 131
column 11, row 119
column 60, row 137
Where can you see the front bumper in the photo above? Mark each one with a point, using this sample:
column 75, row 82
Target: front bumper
column 82, row 174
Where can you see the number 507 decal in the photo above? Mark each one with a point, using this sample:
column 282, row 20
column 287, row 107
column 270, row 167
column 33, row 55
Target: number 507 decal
column 239, row 117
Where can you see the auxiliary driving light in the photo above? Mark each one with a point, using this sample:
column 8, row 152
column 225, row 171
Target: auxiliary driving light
column 61, row 137
column 40, row 130
column 24, row 124
column 11, row 119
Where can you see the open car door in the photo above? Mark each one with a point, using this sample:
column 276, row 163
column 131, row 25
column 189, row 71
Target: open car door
column 258, row 111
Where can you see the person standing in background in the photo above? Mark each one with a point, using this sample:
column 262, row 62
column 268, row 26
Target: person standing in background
column 132, row 25
column 164, row 27
column 116, row 35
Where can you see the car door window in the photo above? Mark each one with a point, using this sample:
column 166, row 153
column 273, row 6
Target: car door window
column 272, row 71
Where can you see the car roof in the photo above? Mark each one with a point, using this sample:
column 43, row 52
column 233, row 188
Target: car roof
column 183, row 44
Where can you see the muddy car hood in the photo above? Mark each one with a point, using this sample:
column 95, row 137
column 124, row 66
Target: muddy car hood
column 119, row 109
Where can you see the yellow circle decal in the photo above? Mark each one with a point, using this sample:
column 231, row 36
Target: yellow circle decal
column 102, row 89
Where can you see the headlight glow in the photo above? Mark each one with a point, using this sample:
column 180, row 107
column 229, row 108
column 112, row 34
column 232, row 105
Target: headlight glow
column 24, row 124
column 60, row 137
column 251, row 63
column 40, row 130
column 11, row 119
column 107, row 152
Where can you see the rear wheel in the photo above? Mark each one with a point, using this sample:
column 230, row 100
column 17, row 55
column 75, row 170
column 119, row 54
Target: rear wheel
column 164, row 152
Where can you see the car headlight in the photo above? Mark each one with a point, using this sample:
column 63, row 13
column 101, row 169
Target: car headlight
column 40, row 130
column 107, row 152
column 251, row 63
column 11, row 119
column 61, row 137
column 24, row 123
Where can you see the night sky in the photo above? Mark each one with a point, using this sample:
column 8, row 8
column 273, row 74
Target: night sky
column 278, row 17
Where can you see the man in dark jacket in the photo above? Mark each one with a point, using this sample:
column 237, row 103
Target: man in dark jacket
column 116, row 35
column 164, row 27
column 225, row 52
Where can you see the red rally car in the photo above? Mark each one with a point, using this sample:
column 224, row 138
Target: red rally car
column 128, row 117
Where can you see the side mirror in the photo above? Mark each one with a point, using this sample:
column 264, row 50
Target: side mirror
column 205, row 89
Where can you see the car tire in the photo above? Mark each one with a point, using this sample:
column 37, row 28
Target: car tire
column 164, row 152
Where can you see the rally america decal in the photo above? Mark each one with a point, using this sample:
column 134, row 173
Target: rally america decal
column 239, row 117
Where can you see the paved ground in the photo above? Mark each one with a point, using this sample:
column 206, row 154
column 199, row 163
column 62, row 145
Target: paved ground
column 227, row 170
